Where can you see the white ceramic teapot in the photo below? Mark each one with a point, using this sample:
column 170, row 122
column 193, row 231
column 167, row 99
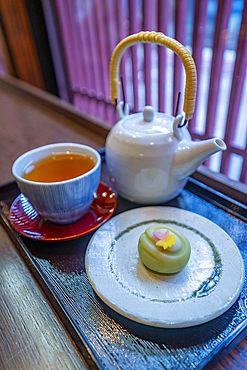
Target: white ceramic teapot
column 150, row 155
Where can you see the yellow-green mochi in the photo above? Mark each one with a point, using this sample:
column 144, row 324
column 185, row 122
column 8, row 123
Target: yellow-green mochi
column 158, row 259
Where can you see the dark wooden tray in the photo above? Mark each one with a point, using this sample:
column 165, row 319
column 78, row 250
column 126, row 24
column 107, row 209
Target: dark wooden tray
column 106, row 339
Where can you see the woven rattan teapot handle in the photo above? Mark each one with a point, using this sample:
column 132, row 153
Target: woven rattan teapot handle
column 160, row 39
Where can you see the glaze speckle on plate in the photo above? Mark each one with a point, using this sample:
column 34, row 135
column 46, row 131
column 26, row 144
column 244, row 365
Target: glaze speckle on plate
column 209, row 284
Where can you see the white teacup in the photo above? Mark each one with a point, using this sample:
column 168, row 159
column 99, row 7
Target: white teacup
column 62, row 201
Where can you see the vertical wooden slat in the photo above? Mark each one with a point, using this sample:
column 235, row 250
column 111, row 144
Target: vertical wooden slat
column 79, row 30
column 85, row 77
column 235, row 97
column 180, row 16
column 111, row 24
column 95, row 57
column 220, row 35
column 103, row 44
column 81, row 72
column 200, row 18
column 6, row 62
column 86, row 46
column 122, row 22
column 243, row 175
column 20, row 40
column 163, row 12
column 57, row 55
column 69, row 44
column 112, row 30
column 100, row 29
column 134, row 28
column 148, row 6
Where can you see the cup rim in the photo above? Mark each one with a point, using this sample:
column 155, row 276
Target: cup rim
column 50, row 146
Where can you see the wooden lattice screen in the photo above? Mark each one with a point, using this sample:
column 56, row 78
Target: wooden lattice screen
column 214, row 31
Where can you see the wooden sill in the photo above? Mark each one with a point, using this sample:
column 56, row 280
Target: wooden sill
column 56, row 104
column 221, row 183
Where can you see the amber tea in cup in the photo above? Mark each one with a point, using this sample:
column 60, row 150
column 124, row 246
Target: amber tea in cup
column 58, row 167
column 59, row 180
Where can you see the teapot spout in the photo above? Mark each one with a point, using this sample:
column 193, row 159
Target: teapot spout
column 190, row 154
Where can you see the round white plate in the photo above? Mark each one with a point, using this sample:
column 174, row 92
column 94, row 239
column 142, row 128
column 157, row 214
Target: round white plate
column 203, row 290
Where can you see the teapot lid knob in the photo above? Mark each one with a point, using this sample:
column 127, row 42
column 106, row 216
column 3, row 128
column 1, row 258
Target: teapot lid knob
column 148, row 113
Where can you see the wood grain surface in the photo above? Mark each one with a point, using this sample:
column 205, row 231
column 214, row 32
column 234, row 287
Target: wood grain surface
column 31, row 335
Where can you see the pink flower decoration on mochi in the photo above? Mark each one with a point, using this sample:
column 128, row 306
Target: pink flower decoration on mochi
column 166, row 241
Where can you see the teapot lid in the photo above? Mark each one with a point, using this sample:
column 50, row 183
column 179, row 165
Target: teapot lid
column 148, row 122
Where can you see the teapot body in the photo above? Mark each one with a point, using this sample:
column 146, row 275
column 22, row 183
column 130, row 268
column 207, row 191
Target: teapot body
column 150, row 156
column 139, row 157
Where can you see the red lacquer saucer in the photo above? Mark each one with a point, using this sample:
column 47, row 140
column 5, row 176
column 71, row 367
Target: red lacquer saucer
column 29, row 223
